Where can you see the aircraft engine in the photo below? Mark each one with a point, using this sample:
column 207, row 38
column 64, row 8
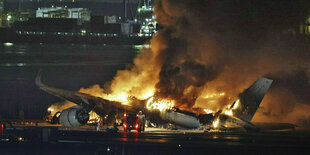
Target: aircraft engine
column 74, row 116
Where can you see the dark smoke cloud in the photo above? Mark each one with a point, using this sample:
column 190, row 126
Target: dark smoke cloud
column 288, row 99
column 295, row 83
column 174, row 80
column 251, row 18
column 209, row 46
column 225, row 45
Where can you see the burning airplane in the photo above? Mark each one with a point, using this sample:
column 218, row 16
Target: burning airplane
column 198, row 65
column 240, row 112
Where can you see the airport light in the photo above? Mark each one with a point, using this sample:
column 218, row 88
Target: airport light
column 8, row 44
column 9, row 17
column 137, row 126
column 2, row 128
column 125, row 126
column 20, row 139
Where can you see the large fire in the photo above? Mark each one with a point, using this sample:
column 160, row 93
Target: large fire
column 215, row 123
column 230, row 108
column 214, row 95
column 159, row 104
column 208, row 111
column 197, row 61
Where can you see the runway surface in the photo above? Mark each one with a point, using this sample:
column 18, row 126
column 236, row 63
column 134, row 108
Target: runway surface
column 155, row 141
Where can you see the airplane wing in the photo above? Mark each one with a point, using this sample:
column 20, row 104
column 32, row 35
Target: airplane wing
column 85, row 102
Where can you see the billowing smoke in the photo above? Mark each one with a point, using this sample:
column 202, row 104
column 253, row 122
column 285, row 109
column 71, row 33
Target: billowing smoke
column 209, row 47
column 288, row 98
column 229, row 44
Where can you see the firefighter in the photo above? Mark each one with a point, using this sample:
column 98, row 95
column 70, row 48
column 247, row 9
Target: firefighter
column 141, row 120
column 98, row 124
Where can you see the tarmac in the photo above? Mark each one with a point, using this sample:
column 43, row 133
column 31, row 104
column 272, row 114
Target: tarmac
column 54, row 139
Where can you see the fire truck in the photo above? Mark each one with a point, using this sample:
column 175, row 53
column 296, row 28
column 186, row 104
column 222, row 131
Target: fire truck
column 130, row 122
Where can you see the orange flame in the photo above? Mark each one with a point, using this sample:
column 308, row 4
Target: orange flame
column 230, row 108
column 159, row 104
column 215, row 123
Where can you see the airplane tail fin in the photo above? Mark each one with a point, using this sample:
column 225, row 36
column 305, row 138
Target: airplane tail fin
column 251, row 98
